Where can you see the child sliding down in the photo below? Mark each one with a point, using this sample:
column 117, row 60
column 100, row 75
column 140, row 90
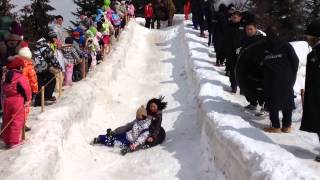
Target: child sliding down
column 129, row 140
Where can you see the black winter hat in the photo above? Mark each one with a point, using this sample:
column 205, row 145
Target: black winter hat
column 68, row 40
column 313, row 29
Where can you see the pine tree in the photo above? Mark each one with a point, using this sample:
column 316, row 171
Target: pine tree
column 86, row 6
column 35, row 19
column 312, row 10
column 6, row 7
column 286, row 14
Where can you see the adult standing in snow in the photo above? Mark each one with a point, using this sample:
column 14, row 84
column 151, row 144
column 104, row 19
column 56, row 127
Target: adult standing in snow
column 311, row 115
column 46, row 66
column 211, row 19
column 249, row 74
column 171, row 10
column 149, row 16
column 16, row 93
column 220, row 34
column 237, row 35
column 198, row 16
column 280, row 67
column 58, row 28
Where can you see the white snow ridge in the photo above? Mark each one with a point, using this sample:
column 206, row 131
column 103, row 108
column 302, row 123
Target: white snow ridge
column 207, row 139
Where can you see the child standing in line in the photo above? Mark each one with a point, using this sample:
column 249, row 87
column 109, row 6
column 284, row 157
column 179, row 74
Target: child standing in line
column 72, row 58
column 92, row 46
column 16, row 93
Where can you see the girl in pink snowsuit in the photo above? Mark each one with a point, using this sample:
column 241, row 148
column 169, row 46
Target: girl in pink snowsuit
column 16, row 93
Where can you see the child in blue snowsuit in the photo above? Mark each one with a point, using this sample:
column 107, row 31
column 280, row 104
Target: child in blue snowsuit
column 129, row 139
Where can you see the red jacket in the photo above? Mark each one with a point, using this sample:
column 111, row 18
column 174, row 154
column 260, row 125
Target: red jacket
column 148, row 11
column 16, row 93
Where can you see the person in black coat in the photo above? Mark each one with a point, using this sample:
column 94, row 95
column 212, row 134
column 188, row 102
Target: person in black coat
column 198, row 15
column 249, row 72
column 280, row 67
column 237, row 35
column 211, row 19
column 311, row 115
column 220, row 34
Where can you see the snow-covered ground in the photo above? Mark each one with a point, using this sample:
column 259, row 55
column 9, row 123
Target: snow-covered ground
column 209, row 136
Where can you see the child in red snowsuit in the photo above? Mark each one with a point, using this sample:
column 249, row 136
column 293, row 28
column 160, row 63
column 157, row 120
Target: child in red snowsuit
column 16, row 93
column 148, row 15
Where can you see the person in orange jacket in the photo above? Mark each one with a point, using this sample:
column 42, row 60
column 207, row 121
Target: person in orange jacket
column 187, row 9
column 28, row 72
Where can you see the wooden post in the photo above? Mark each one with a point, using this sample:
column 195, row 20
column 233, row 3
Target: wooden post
column 83, row 69
column 42, row 99
column 60, row 84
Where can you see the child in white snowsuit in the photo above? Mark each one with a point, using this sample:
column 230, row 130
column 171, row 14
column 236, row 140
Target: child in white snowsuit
column 131, row 139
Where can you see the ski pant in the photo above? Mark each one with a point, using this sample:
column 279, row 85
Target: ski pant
column 13, row 120
column 231, row 67
column 275, row 120
column 149, row 23
column 111, row 140
column 319, row 136
column 68, row 75
column 43, row 79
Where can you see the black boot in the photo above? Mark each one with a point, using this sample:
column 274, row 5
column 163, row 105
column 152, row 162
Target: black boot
column 317, row 158
column 27, row 128
column 94, row 141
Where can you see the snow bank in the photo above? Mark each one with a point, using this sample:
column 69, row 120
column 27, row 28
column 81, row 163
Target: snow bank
column 238, row 149
column 37, row 159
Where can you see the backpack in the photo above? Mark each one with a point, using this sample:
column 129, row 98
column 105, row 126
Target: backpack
column 116, row 20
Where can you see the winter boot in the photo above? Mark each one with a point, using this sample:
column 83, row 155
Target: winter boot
column 317, row 158
column 251, row 107
column 27, row 128
column 94, row 141
column 272, row 130
column 286, row 130
column 233, row 90
column 124, row 151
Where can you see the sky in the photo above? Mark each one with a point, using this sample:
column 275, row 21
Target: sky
column 63, row 7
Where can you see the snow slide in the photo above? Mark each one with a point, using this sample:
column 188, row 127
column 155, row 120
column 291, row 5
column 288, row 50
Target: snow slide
column 143, row 64
column 207, row 137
